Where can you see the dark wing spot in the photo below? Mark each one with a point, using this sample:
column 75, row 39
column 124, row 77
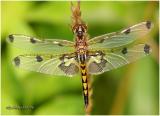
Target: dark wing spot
column 62, row 58
column 51, row 56
column 39, row 58
column 148, row 24
column 11, row 38
column 146, row 49
column 103, row 62
column 127, row 31
column 124, row 51
column 102, row 40
column 112, row 50
column 32, row 40
column 57, row 43
column 17, row 61
column 60, row 44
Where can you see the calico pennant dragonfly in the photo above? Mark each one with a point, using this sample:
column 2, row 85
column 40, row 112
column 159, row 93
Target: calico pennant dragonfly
column 86, row 56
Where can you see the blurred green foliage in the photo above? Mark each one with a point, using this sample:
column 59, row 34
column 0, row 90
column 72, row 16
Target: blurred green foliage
column 131, row 89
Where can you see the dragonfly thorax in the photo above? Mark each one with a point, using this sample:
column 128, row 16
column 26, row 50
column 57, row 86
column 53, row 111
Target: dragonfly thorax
column 81, row 45
column 81, row 48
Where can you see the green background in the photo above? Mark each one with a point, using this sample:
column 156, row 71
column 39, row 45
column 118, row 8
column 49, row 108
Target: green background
column 131, row 89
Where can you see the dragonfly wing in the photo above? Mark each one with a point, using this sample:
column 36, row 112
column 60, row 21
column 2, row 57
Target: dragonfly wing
column 102, row 61
column 52, row 46
column 65, row 65
column 120, row 38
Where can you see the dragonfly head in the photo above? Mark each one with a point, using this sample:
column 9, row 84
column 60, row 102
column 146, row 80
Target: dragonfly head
column 80, row 29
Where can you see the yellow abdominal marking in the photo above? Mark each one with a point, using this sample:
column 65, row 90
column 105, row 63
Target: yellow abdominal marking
column 83, row 71
column 85, row 92
column 85, row 85
column 83, row 64
column 84, row 78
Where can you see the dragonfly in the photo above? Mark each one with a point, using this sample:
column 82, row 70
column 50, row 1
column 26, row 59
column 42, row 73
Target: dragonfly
column 85, row 56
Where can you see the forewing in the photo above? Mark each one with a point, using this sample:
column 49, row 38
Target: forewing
column 100, row 62
column 120, row 38
column 48, row 64
column 49, row 46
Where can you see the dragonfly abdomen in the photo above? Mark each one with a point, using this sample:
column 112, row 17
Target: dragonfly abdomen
column 84, row 82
